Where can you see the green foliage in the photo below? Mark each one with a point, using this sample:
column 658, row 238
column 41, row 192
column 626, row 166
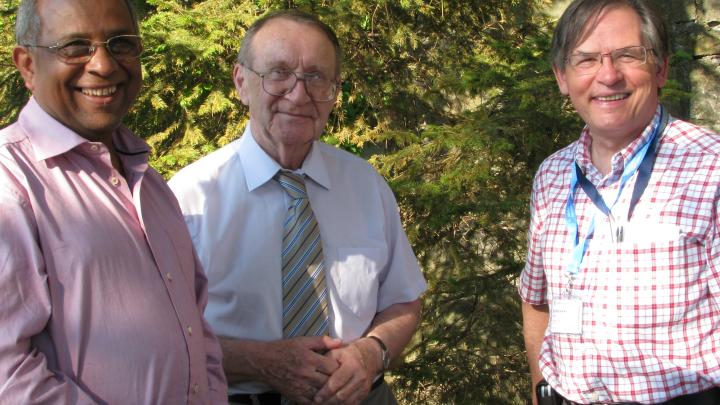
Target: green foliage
column 464, row 228
column 463, row 190
column 188, row 106
column 12, row 89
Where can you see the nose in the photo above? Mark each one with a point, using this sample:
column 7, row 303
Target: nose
column 608, row 73
column 299, row 93
column 101, row 62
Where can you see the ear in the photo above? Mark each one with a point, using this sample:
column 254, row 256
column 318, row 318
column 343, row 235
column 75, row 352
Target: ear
column 662, row 73
column 561, row 80
column 241, row 83
column 24, row 61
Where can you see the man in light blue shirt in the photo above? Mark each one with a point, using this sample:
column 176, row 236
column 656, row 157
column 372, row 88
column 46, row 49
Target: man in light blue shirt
column 235, row 209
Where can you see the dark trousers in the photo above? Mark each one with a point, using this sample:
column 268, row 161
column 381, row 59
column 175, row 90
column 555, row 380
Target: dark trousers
column 548, row 396
column 380, row 394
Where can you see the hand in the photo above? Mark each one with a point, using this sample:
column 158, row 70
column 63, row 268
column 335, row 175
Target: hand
column 350, row 383
column 297, row 367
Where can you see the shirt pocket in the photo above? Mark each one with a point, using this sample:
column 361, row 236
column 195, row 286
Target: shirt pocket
column 355, row 277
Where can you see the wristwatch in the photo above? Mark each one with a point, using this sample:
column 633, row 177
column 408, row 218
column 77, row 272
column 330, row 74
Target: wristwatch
column 385, row 352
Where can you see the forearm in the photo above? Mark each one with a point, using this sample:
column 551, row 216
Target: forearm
column 395, row 326
column 535, row 322
column 279, row 362
column 243, row 359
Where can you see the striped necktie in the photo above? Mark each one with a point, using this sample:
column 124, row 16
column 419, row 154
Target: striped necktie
column 305, row 304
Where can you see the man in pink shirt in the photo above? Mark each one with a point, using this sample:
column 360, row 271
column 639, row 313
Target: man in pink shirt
column 102, row 292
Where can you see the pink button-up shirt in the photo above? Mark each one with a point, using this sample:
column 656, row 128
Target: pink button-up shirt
column 101, row 293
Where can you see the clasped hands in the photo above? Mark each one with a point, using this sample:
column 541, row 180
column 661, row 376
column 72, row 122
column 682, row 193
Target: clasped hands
column 323, row 370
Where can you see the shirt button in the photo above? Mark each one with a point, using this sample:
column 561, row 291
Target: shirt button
column 196, row 388
column 189, row 329
column 115, row 181
column 94, row 148
column 168, row 276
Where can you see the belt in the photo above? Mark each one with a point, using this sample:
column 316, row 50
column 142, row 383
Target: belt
column 266, row 398
column 707, row 397
column 273, row 398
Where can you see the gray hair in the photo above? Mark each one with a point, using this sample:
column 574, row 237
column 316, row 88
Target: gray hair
column 245, row 56
column 581, row 16
column 28, row 24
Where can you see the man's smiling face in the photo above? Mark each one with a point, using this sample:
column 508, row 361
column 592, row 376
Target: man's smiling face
column 90, row 98
column 616, row 104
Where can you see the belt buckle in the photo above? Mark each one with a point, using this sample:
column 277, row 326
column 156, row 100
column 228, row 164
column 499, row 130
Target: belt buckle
column 255, row 398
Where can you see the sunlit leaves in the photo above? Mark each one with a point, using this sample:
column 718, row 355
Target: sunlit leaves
column 12, row 88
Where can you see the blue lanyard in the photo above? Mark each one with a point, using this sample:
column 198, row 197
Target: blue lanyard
column 642, row 163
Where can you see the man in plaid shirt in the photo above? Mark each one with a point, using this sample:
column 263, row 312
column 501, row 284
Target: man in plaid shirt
column 621, row 289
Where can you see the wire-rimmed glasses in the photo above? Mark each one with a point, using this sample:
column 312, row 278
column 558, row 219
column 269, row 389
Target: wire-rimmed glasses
column 279, row 82
column 589, row 63
column 80, row 50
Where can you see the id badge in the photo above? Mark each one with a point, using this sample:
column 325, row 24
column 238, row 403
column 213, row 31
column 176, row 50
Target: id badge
column 566, row 316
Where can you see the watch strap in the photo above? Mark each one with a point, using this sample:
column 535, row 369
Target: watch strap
column 384, row 350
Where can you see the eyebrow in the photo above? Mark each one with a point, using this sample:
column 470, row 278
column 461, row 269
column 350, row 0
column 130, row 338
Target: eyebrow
column 277, row 63
column 85, row 35
column 612, row 50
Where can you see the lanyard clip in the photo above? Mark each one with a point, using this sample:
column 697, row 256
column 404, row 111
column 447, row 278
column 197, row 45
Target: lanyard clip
column 568, row 288
column 619, row 234
column 617, row 231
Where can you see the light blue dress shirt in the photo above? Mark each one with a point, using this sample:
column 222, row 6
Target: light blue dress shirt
column 234, row 210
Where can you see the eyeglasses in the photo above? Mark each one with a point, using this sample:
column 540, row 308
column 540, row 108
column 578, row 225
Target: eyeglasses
column 589, row 63
column 80, row 50
column 279, row 82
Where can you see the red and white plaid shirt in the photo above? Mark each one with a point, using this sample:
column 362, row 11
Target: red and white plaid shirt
column 651, row 303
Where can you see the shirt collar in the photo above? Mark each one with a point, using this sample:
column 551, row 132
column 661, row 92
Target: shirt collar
column 50, row 138
column 621, row 158
column 259, row 167
column 132, row 151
